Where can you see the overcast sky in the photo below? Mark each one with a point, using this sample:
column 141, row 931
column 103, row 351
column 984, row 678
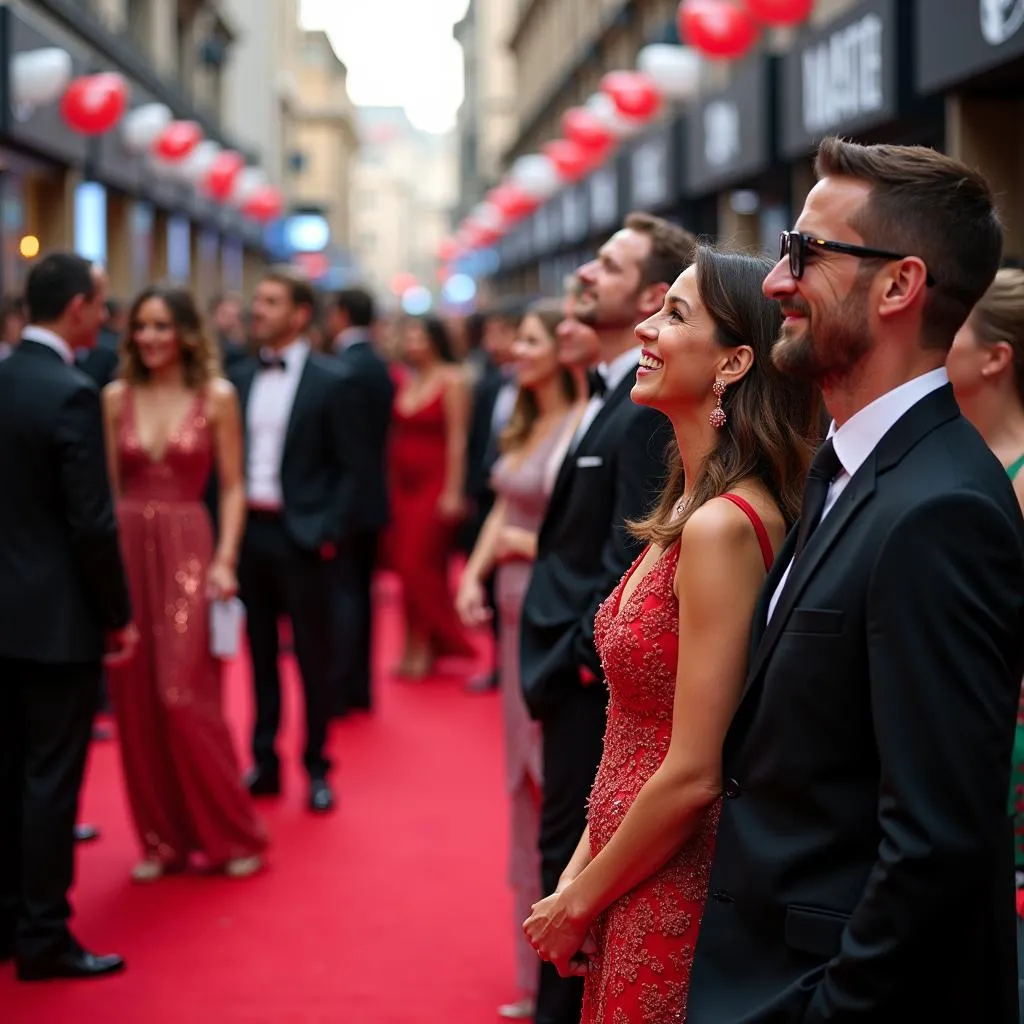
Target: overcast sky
column 398, row 53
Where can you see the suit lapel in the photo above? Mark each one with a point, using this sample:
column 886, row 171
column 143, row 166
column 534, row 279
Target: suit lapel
column 614, row 399
column 302, row 392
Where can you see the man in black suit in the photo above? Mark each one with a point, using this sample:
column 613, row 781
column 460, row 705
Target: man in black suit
column 494, row 396
column 63, row 601
column 350, row 318
column 100, row 361
column 301, row 485
column 613, row 472
column 864, row 865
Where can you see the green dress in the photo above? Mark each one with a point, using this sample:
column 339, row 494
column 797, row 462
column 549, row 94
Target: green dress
column 1016, row 805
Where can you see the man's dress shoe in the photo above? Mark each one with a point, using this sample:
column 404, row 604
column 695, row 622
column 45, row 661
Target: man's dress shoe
column 74, row 962
column 321, row 799
column 86, row 833
column 264, row 782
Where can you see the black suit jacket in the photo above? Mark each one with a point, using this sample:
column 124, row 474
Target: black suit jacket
column 319, row 467
column 481, row 452
column 375, row 392
column 614, row 475
column 101, row 361
column 62, row 584
column 864, row 861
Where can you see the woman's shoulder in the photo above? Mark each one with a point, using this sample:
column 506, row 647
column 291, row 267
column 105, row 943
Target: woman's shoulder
column 114, row 395
column 730, row 526
column 218, row 395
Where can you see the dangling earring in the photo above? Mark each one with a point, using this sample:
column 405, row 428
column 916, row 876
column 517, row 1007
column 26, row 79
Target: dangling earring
column 717, row 418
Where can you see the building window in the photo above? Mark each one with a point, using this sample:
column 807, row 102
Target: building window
column 139, row 25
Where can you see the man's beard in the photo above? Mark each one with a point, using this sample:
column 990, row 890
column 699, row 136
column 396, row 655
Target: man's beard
column 839, row 345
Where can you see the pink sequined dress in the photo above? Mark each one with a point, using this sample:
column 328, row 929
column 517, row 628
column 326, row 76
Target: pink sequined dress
column 180, row 767
column 646, row 939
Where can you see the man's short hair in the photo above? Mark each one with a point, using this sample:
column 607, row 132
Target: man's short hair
column 925, row 204
column 54, row 282
column 300, row 290
column 672, row 247
column 358, row 304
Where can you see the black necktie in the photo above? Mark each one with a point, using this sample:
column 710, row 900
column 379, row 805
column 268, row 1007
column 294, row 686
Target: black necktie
column 597, row 383
column 824, row 468
column 269, row 361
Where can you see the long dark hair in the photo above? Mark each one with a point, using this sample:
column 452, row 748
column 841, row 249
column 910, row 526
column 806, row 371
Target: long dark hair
column 438, row 336
column 199, row 357
column 773, row 421
column 524, row 414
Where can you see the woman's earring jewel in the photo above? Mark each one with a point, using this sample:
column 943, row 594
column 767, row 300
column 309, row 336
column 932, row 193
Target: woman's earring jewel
column 717, row 419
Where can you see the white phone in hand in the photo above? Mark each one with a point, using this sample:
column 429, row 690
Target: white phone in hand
column 225, row 627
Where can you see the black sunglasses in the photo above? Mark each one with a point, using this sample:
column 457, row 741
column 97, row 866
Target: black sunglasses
column 794, row 245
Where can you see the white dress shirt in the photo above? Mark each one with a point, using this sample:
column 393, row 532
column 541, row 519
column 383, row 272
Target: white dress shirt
column 613, row 373
column 267, row 414
column 42, row 336
column 504, row 402
column 351, row 336
column 859, row 436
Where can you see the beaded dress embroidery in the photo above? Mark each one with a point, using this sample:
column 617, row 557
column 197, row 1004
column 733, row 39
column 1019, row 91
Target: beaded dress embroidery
column 646, row 939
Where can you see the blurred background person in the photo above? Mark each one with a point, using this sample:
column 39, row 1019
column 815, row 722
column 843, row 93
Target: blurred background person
column 170, row 420
column 63, row 598
column 427, row 467
column 350, row 318
column 986, row 369
column 228, row 328
column 547, row 410
column 12, row 323
column 494, row 391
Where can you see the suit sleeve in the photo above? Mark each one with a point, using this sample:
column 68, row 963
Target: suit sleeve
column 89, row 507
column 345, row 421
column 944, row 663
column 640, row 476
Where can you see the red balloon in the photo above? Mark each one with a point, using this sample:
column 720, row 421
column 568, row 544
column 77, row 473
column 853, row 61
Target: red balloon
column 223, row 172
column 718, row 28
column 513, row 202
column 587, row 130
column 447, row 250
column 634, row 94
column 781, row 13
column 264, row 204
column 177, row 140
column 94, row 104
column 571, row 161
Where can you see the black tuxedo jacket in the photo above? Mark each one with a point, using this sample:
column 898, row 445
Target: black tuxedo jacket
column 62, row 584
column 614, row 475
column 481, row 451
column 320, row 463
column 863, row 871
column 375, row 392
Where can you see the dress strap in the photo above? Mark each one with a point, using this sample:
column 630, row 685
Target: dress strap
column 767, row 553
column 1015, row 467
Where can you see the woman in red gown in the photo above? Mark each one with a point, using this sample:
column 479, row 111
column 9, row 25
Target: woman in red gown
column 427, row 463
column 169, row 419
column 673, row 642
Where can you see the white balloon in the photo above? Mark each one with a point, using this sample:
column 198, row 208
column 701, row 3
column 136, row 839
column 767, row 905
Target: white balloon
column 488, row 216
column 197, row 164
column 249, row 181
column 143, row 125
column 536, row 175
column 39, row 77
column 674, row 69
column 603, row 107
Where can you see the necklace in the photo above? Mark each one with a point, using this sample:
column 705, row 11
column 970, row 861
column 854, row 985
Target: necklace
column 681, row 506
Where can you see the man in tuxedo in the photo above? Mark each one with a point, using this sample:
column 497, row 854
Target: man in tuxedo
column 100, row 361
column 864, row 865
column 494, row 396
column 350, row 319
column 301, row 487
column 63, row 602
column 613, row 472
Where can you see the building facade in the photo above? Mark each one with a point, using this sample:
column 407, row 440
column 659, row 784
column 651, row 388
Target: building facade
column 404, row 186
column 737, row 162
column 487, row 118
column 62, row 189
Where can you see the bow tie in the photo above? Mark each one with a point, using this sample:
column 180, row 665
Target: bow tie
column 269, row 361
column 597, row 383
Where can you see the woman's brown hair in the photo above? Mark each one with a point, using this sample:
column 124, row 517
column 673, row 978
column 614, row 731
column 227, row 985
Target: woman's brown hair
column 199, row 358
column 999, row 316
column 524, row 414
column 773, row 421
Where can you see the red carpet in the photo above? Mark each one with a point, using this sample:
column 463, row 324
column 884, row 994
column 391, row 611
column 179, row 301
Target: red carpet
column 392, row 911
